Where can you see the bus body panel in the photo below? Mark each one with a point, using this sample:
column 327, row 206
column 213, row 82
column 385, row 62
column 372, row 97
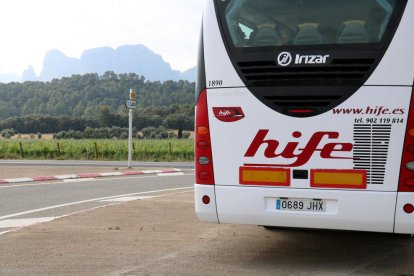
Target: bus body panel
column 217, row 61
column 347, row 210
column 404, row 223
column 206, row 212
column 387, row 115
column 400, row 53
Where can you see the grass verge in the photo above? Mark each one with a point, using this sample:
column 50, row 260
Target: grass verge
column 144, row 150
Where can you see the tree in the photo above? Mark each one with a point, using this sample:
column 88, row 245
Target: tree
column 105, row 116
column 180, row 132
column 96, row 101
column 7, row 133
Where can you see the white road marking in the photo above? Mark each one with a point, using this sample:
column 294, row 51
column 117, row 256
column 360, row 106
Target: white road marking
column 89, row 200
column 79, row 180
column 8, row 223
column 68, row 176
column 17, row 180
column 170, row 174
column 127, row 198
column 7, row 231
column 154, row 171
column 112, row 174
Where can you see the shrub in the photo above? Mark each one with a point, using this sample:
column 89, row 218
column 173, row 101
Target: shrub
column 7, row 133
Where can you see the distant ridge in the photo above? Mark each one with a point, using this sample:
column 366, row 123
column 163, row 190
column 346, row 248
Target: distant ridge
column 137, row 59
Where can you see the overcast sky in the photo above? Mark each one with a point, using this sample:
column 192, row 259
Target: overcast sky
column 29, row 28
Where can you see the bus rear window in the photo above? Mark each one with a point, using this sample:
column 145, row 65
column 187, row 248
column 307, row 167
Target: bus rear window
column 261, row 23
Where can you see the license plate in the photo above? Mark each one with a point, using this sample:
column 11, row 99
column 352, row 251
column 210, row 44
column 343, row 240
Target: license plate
column 299, row 204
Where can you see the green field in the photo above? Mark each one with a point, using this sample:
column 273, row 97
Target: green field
column 144, row 150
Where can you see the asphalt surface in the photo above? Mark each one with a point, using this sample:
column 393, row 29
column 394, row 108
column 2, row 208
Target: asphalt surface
column 20, row 198
column 146, row 225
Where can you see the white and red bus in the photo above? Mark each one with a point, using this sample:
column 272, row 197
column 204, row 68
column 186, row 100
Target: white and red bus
column 305, row 114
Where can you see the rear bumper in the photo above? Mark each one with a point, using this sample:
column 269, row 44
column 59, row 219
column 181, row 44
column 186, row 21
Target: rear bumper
column 205, row 212
column 404, row 223
column 346, row 210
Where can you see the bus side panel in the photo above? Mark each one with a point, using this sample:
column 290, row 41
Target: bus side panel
column 397, row 65
column 346, row 210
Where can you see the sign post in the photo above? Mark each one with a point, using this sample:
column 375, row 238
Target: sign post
column 130, row 104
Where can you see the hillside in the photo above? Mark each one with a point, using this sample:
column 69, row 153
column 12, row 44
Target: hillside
column 83, row 95
column 91, row 96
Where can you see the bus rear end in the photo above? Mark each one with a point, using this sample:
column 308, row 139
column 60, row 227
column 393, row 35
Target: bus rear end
column 305, row 114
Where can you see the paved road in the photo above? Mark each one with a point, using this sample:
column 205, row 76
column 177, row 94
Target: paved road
column 53, row 199
column 160, row 235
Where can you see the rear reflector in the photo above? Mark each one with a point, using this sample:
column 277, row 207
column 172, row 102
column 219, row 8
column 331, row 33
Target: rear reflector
column 408, row 208
column 348, row 179
column 264, row 176
column 206, row 199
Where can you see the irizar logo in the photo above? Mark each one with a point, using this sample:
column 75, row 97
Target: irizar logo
column 285, row 59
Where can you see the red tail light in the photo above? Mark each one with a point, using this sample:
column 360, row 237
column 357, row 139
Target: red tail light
column 203, row 156
column 406, row 183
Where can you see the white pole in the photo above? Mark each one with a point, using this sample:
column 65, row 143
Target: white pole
column 130, row 140
column 132, row 97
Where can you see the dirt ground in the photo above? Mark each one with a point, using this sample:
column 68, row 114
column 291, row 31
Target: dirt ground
column 162, row 236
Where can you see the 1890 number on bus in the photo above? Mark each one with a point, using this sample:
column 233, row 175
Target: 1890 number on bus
column 215, row 83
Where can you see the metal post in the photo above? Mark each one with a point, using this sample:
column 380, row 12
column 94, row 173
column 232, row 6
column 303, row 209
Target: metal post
column 132, row 97
column 130, row 140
